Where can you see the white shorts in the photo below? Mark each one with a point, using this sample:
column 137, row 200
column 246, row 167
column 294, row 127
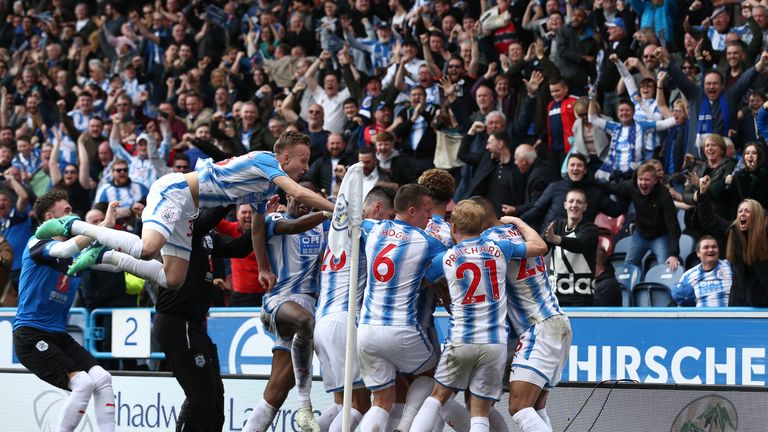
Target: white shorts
column 330, row 337
column 171, row 211
column 269, row 314
column 542, row 352
column 384, row 351
column 479, row 367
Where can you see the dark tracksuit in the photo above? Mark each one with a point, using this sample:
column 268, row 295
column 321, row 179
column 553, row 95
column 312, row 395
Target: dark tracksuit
column 179, row 326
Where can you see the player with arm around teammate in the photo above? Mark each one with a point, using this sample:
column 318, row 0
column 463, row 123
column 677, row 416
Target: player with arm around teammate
column 389, row 338
column 294, row 246
column 174, row 201
column 543, row 330
column 474, row 355
column 40, row 337
column 331, row 319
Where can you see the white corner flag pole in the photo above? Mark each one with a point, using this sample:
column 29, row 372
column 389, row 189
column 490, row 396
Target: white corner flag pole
column 345, row 227
column 349, row 358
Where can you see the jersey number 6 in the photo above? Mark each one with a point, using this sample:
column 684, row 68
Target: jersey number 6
column 380, row 260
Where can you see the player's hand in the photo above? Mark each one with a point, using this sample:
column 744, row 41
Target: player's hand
column 111, row 215
column 508, row 210
column 510, row 220
column 267, row 279
column 273, row 204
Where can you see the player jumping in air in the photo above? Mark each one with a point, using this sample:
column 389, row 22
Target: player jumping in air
column 173, row 203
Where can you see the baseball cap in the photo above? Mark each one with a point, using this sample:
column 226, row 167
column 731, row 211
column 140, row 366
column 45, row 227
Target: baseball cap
column 617, row 22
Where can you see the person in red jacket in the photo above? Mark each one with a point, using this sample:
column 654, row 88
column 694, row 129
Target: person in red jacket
column 246, row 290
column 560, row 119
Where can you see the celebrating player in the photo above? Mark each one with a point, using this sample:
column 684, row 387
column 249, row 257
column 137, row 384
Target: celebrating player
column 476, row 348
column 174, row 201
column 40, row 337
column 389, row 337
column 543, row 330
column 331, row 324
column 295, row 242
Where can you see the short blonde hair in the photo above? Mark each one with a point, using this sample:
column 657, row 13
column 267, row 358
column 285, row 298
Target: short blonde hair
column 468, row 217
column 719, row 141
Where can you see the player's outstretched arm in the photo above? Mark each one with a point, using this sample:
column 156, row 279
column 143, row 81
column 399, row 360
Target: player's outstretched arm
column 304, row 195
column 534, row 244
column 304, row 223
column 267, row 279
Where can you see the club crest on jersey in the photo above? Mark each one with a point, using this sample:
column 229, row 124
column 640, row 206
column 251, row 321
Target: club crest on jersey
column 200, row 360
column 168, row 215
column 42, row 346
column 340, row 220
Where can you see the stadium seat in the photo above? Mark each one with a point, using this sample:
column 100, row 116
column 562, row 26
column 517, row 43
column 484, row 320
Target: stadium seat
column 612, row 224
column 649, row 294
column 627, row 274
column 607, row 244
column 649, row 261
column 660, row 274
column 620, row 250
column 626, row 296
column 686, row 247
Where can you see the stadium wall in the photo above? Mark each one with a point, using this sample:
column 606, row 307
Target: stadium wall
column 151, row 402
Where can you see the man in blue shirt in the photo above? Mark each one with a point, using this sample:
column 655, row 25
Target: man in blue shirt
column 40, row 337
column 708, row 283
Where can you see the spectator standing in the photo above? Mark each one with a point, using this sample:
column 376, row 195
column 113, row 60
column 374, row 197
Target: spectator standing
column 15, row 223
column 656, row 225
column 712, row 107
column 560, row 120
column 574, row 243
column 246, row 289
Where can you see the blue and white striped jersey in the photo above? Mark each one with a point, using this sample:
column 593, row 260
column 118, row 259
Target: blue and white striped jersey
column 80, row 119
column 476, row 273
column 294, row 258
column 427, row 302
column 140, row 170
column 530, row 299
column 334, row 282
column 125, row 195
column 708, row 288
column 245, row 179
column 29, row 164
column 398, row 256
column 627, row 142
column 438, row 227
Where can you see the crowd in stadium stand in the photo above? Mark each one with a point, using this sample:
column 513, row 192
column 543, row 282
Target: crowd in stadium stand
column 654, row 110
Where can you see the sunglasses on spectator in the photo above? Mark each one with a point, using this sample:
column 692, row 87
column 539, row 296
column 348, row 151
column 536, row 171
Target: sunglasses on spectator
column 120, row 170
column 70, row 171
column 181, row 167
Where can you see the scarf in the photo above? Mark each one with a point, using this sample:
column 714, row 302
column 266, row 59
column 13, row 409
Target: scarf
column 706, row 122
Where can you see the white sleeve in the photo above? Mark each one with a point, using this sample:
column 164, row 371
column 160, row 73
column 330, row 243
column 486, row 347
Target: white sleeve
column 65, row 249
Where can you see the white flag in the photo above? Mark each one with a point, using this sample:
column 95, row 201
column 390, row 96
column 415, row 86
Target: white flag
column 348, row 211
